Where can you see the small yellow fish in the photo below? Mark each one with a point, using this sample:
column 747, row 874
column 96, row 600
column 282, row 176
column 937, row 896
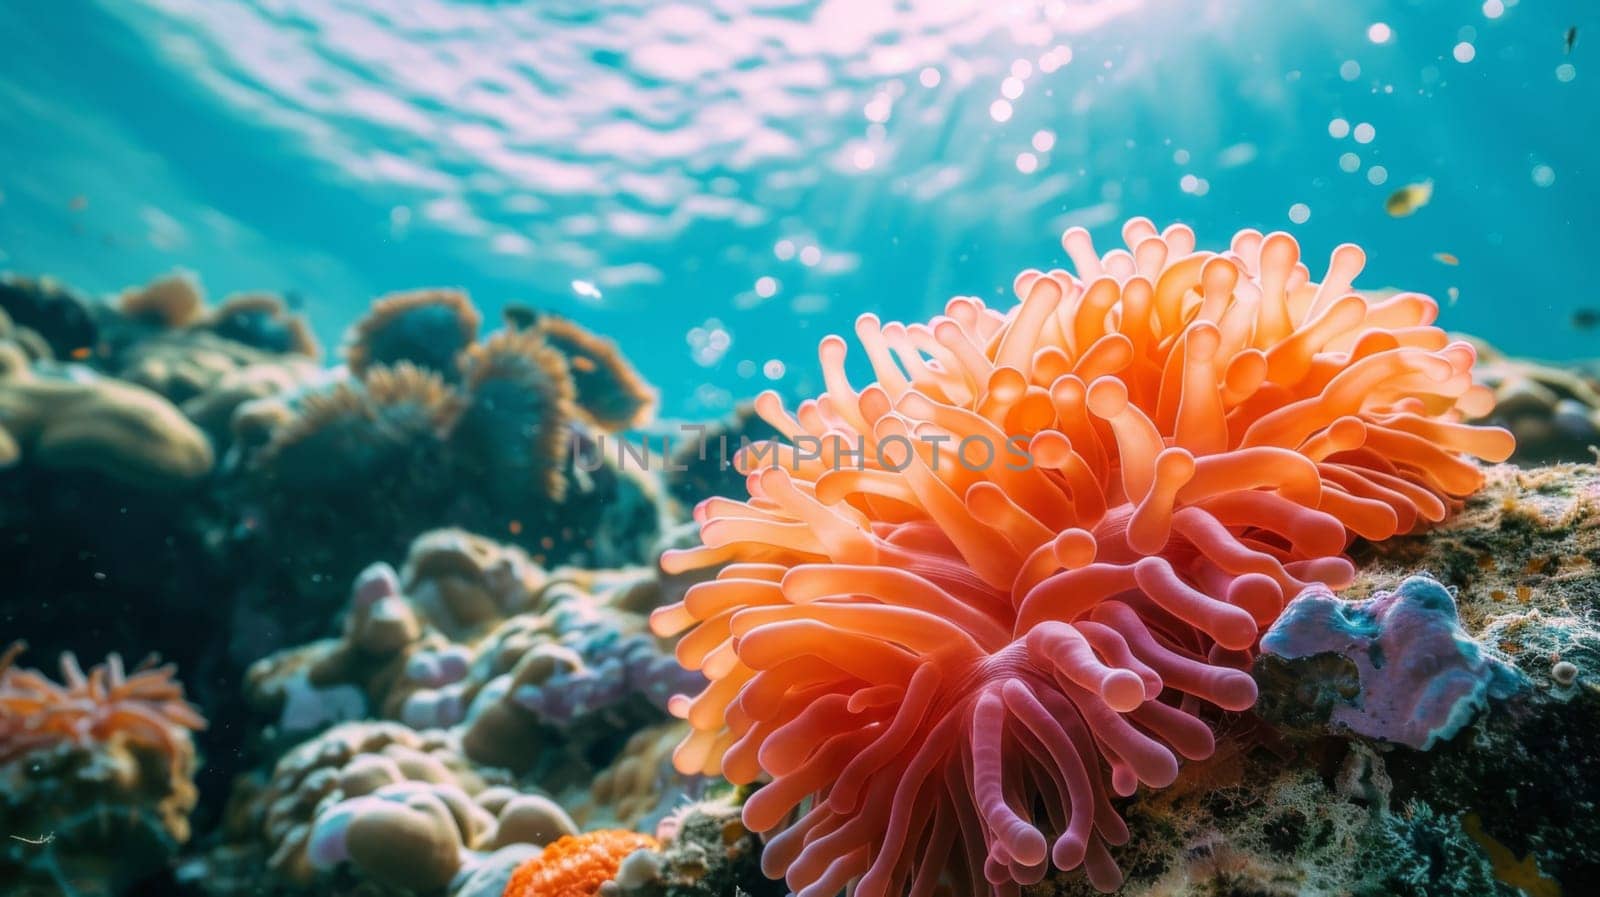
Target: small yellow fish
column 1444, row 258
column 1408, row 199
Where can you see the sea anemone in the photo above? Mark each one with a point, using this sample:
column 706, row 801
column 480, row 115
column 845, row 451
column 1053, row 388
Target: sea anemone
column 263, row 321
column 144, row 707
column 427, row 328
column 968, row 604
column 611, row 394
column 576, row 865
column 514, row 432
column 354, row 430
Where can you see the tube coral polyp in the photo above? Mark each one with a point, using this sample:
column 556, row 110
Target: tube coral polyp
column 948, row 662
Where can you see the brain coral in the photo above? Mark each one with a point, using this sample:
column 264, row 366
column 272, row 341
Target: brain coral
column 968, row 604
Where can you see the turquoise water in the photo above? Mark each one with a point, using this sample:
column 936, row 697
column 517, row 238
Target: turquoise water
column 717, row 185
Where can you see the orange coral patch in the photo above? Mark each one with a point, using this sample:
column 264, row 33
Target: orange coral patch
column 576, row 865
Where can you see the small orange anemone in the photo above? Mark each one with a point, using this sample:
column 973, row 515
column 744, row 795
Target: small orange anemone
column 145, row 706
column 576, row 865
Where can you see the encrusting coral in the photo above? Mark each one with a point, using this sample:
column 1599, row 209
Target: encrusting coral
column 1043, row 544
column 576, row 865
column 1421, row 679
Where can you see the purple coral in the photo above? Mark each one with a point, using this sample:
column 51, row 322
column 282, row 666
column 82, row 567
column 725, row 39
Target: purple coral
column 1422, row 677
column 615, row 667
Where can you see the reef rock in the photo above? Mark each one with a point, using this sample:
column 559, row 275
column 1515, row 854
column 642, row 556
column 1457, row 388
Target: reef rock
column 1505, row 806
column 1554, row 409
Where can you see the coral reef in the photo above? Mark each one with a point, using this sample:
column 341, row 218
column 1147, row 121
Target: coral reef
column 705, row 852
column 424, row 432
column 1553, row 409
column 441, row 429
column 207, row 360
column 1521, row 557
column 907, row 644
column 545, row 673
column 1297, row 809
column 388, row 804
column 62, row 318
column 641, row 787
column 929, row 673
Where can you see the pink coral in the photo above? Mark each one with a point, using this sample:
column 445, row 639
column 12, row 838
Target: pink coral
column 968, row 604
column 145, row 707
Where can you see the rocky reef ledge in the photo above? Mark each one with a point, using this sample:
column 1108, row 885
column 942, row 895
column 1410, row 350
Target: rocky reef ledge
column 1303, row 799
